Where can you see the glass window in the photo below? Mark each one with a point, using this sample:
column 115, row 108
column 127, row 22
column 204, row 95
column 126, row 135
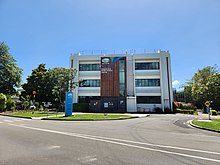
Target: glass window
column 147, row 66
column 86, row 99
column 147, row 82
column 90, row 83
column 122, row 77
column 89, row 67
column 148, row 99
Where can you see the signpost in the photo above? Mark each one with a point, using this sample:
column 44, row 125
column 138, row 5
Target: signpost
column 33, row 106
column 69, row 103
column 207, row 104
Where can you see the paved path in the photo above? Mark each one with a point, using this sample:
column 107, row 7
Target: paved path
column 154, row 140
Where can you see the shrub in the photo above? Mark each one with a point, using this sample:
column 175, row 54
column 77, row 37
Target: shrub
column 186, row 111
column 26, row 105
column 181, row 105
column 189, row 106
column 178, row 105
column 3, row 100
column 80, row 107
column 213, row 112
column 167, row 110
column 36, row 104
column 10, row 104
column 41, row 108
column 158, row 110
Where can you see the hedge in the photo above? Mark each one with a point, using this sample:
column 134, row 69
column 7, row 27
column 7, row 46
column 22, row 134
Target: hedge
column 80, row 107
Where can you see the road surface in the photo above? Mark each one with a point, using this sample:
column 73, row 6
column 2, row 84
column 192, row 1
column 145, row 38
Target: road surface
column 154, row 140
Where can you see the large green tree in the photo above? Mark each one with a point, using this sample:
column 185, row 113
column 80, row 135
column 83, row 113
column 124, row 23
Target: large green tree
column 36, row 82
column 212, row 90
column 204, row 86
column 199, row 81
column 10, row 73
column 50, row 85
column 3, row 101
column 60, row 80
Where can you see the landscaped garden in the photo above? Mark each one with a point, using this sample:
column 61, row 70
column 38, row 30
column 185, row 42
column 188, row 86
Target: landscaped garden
column 213, row 124
column 92, row 117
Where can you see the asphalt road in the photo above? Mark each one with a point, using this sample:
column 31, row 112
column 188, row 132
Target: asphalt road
column 154, row 140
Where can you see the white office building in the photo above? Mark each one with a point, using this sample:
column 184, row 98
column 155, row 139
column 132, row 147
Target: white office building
column 124, row 82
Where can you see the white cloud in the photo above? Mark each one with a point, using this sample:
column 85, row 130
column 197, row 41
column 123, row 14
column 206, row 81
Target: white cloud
column 176, row 83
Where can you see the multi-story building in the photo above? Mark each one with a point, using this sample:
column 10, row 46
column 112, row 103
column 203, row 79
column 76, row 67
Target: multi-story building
column 124, row 82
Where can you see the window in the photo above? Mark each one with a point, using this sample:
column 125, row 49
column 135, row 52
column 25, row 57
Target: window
column 89, row 67
column 122, row 77
column 90, row 83
column 147, row 66
column 71, row 63
column 148, row 99
column 147, row 82
column 86, row 99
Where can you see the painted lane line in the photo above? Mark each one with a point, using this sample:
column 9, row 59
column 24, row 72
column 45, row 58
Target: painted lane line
column 53, row 147
column 150, row 144
column 1, row 122
column 10, row 121
column 118, row 143
column 154, row 145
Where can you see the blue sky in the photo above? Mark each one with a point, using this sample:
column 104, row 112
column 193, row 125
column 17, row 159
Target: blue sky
column 47, row 31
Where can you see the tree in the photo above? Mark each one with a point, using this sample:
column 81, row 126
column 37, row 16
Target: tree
column 50, row 85
column 60, row 80
column 10, row 104
column 212, row 90
column 10, row 73
column 3, row 100
column 204, row 86
column 36, row 82
column 199, row 81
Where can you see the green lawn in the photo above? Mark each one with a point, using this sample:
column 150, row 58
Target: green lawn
column 91, row 117
column 214, row 125
column 36, row 114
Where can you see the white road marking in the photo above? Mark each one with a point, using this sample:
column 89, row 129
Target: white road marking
column 104, row 139
column 155, row 145
column 53, row 147
column 10, row 121
column 1, row 122
column 87, row 159
column 17, row 119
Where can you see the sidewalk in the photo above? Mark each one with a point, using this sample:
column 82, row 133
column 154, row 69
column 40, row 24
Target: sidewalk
column 206, row 116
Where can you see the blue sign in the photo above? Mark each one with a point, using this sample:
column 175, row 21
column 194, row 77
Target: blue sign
column 69, row 104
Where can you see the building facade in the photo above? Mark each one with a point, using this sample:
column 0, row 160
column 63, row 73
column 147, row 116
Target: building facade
column 124, row 82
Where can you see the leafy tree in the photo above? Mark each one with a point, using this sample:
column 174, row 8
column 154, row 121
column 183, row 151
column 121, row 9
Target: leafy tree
column 26, row 104
column 10, row 73
column 3, row 100
column 204, row 86
column 60, row 80
column 212, row 90
column 199, row 81
column 35, row 82
column 10, row 104
column 50, row 85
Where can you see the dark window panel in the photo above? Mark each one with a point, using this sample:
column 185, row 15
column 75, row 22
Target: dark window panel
column 148, row 99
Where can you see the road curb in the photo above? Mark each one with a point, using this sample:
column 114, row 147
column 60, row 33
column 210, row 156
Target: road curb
column 207, row 129
column 16, row 116
column 44, row 118
column 89, row 119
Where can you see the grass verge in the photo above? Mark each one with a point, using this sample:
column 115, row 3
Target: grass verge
column 213, row 125
column 28, row 114
column 91, row 117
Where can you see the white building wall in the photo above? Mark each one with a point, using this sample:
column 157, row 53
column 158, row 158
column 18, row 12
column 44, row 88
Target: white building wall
column 164, row 91
column 166, row 81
